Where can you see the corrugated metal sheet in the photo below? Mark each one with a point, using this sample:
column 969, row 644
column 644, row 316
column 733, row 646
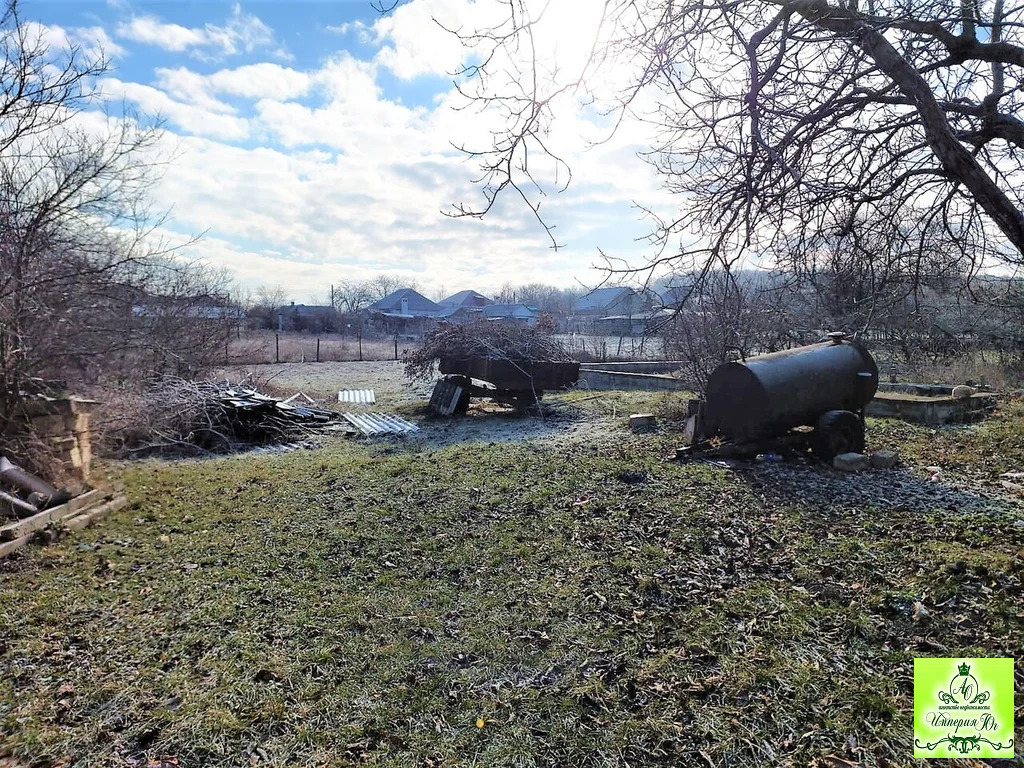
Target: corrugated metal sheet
column 357, row 396
column 380, row 423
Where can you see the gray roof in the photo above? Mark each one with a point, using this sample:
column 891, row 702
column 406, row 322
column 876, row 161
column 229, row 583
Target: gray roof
column 601, row 298
column 676, row 294
column 466, row 299
column 509, row 310
column 418, row 304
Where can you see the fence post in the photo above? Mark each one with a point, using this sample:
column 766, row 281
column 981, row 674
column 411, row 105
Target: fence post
column 277, row 348
column 318, row 349
column 396, row 346
column 360, row 346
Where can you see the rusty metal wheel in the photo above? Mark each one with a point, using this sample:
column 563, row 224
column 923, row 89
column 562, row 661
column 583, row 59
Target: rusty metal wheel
column 837, row 432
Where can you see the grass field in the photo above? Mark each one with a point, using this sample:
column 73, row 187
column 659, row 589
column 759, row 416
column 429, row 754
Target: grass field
column 549, row 602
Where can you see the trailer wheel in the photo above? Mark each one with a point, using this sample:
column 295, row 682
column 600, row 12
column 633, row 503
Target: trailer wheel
column 838, row 432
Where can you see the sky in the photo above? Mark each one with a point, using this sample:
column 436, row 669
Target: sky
column 312, row 142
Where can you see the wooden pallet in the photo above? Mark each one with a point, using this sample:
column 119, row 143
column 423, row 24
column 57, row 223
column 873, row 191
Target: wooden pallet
column 78, row 513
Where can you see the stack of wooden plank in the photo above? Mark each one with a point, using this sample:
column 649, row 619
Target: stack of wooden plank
column 76, row 514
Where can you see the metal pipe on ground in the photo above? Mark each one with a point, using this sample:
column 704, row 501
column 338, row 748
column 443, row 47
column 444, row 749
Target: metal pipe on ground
column 16, row 477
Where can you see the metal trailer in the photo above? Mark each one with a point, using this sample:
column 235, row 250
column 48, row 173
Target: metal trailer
column 764, row 401
column 519, row 383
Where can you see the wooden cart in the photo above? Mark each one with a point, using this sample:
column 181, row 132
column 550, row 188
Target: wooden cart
column 519, row 383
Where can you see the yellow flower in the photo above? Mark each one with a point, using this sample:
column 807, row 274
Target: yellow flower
column 479, row 722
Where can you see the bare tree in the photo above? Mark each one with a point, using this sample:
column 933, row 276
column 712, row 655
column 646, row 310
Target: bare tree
column 548, row 298
column 352, row 296
column 355, row 295
column 788, row 126
column 507, row 294
column 734, row 315
column 384, row 284
column 61, row 186
column 265, row 304
column 82, row 279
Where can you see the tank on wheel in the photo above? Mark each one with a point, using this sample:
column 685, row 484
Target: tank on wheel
column 766, row 396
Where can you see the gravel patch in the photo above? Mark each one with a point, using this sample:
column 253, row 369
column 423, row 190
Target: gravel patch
column 789, row 483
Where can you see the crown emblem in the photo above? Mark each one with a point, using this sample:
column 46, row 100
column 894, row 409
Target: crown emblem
column 964, row 669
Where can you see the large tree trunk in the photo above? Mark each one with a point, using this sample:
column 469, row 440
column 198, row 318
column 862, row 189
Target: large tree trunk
column 956, row 160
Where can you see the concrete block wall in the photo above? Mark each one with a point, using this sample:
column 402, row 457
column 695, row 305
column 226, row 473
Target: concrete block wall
column 605, row 380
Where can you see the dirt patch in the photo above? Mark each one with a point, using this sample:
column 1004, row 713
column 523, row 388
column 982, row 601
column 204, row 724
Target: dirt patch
column 322, row 381
column 486, row 422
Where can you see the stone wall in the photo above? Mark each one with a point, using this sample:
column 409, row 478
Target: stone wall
column 923, row 409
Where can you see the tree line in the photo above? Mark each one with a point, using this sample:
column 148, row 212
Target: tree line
column 349, row 297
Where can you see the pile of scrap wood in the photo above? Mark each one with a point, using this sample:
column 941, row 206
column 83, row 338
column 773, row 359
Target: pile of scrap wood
column 30, row 507
column 179, row 417
column 81, row 511
column 482, row 339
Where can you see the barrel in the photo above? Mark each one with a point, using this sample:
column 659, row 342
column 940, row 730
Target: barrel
column 770, row 394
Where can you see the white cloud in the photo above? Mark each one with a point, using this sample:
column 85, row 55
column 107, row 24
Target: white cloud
column 241, row 33
column 193, row 119
column 264, row 80
column 150, row 30
column 189, row 87
column 252, row 81
column 348, row 182
column 363, row 32
column 353, row 117
column 94, row 42
column 416, row 38
column 304, row 219
column 97, row 40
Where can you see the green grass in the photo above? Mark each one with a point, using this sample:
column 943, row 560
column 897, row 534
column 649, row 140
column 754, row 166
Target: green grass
column 984, row 450
column 362, row 605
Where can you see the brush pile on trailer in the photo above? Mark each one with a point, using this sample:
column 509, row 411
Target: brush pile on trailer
column 513, row 365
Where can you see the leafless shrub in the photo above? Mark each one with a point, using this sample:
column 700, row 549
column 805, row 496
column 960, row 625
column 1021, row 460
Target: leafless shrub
column 87, row 293
column 739, row 315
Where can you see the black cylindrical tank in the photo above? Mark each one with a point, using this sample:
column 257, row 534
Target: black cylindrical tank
column 770, row 394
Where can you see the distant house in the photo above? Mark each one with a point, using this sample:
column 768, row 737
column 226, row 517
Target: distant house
column 405, row 302
column 605, row 302
column 674, row 296
column 463, row 307
column 640, row 324
column 405, row 313
column 465, row 299
column 513, row 314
